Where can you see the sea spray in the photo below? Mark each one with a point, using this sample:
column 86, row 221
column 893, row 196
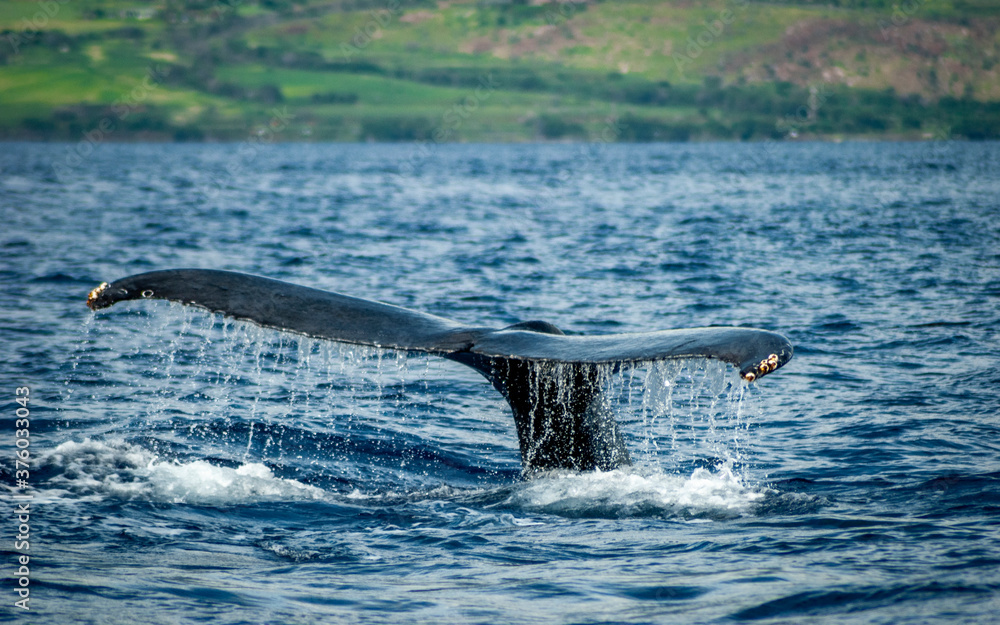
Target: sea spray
column 252, row 394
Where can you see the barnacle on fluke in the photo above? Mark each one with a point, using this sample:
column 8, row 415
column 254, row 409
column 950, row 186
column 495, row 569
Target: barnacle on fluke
column 96, row 296
column 763, row 367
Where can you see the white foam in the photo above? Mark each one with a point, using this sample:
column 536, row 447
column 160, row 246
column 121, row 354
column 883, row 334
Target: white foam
column 718, row 493
column 117, row 469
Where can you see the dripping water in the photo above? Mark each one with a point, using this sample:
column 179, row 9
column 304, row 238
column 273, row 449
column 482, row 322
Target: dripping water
column 204, row 388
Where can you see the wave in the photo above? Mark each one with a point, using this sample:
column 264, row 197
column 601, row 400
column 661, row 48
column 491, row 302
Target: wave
column 100, row 470
column 97, row 469
column 706, row 494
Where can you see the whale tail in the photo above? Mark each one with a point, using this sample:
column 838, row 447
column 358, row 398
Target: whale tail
column 551, row 380
column 560, row 414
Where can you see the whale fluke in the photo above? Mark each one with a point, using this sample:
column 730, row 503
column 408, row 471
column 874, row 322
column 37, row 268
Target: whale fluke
column 550, row 380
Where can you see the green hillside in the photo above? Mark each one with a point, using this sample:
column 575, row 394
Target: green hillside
column 497, row 70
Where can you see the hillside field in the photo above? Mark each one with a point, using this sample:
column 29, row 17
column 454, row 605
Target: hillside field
column 388, row 70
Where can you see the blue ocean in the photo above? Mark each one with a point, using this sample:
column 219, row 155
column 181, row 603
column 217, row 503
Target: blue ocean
column 182, row 467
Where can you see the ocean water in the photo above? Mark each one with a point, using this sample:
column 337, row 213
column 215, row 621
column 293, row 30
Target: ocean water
column 186, row 468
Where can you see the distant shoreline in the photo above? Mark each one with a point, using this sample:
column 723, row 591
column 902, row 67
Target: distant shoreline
column 509, row 71
column 214, row 141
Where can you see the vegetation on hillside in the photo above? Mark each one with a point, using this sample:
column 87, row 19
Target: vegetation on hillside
column 498, row 70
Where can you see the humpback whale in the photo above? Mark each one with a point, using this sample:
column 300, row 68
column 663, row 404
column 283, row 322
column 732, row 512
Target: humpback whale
column 551, row 380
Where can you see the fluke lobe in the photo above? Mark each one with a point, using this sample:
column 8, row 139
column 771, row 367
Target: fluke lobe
column 551, row 380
